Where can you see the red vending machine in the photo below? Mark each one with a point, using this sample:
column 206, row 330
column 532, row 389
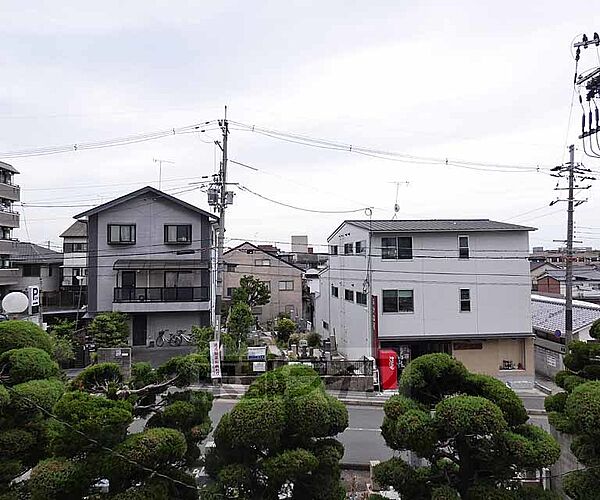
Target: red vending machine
column 388, row 369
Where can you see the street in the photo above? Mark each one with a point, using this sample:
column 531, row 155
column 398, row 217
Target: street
column 362, row 439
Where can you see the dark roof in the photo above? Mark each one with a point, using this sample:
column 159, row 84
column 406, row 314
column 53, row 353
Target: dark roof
column 30, row 253
column 9, row 167
column 579, row 273
column 140, row 192
column 254, row 247
column 548, row 314
column 536, row 265
column 77, row 230
column 436, row 225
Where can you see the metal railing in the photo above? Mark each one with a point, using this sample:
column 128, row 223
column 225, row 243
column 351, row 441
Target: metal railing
column 345, row 368
column 162, row 294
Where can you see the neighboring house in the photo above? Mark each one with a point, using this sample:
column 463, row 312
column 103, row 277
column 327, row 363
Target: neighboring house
column 75, row 255
column 455, row 286
column 283, row 279
column 9, row 220
column 537, row 269
column 149, row 255
column 548, row 321
column 37, row 266
column 586, row 282
column 581, row 255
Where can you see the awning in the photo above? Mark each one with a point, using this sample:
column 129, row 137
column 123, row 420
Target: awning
column 160, row 264
column 449, row 337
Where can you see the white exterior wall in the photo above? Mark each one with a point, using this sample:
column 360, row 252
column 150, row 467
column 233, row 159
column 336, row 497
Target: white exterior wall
column 497, row 274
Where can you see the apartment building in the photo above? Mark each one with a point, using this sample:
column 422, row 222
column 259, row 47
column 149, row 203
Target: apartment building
column 149, row 255
column 422, row 286
column 9, row 220
column 74, row 266
column 283, row 279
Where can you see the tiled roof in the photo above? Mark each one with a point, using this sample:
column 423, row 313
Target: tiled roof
column 77, row 230
column 30, row 253
column 548, row 314
column 435, row 225
column 579, row 273
column 9, row 167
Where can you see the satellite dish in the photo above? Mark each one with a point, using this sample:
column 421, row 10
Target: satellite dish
column 15, row 302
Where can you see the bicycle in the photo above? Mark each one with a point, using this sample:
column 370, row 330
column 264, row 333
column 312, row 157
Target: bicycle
column 173, row 339
column 183, row 336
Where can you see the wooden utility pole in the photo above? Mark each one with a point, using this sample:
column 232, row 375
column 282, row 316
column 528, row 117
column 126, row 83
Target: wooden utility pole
column 569, row 268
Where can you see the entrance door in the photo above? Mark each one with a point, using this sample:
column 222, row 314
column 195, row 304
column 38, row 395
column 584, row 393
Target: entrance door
column 140, row 332
column 128, row 285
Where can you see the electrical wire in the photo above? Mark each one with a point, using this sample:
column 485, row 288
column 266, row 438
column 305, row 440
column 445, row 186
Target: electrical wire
column 108, row 143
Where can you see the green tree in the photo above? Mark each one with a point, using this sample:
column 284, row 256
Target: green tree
column 576, row 411
column 471, row 430
column 279, row 440
column 29, row 388
column 251, row 291
column 240, row 321
column 284, row 328
column 110, row 329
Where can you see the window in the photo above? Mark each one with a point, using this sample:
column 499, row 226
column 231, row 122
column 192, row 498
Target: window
column 395, row 301
column 49, row 271
column 361, row 298
column 349, row 295
column 231, row 268
column 325, row 325
column 333, row 249
column 230, row 291
column 262, row 262
column 31, row 270
column 465, row 300
column 396, row 248
column 178, row 279
column 286, row 285
column 268, row 284
column 178, row 233
column 348, row 248
column 74, row 247
column 5, row 233
column 121, row 234
column 5, row 262
column 335, row 291
column 360, row 247
column 463, row 247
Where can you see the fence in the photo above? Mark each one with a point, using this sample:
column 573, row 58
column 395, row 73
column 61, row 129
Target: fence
column 322, row 367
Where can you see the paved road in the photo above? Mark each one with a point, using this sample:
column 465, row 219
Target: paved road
column 362, row 439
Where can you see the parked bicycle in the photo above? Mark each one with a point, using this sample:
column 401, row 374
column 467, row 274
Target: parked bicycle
column 173, row 339
column 184, row 337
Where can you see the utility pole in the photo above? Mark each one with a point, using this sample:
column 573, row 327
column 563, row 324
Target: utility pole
column 569, row 268
column 160, row 162
column 575, row 172
column 223, row 200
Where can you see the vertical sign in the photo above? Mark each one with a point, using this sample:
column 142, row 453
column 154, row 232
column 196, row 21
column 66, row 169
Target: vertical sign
column 34, row 297
column 215, row 360
column 374, row 325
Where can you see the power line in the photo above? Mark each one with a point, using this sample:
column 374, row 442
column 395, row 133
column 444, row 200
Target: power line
column 109, row 143
column 382, row 154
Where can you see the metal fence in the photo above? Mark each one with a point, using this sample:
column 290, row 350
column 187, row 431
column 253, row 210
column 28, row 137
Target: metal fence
column 338, row 368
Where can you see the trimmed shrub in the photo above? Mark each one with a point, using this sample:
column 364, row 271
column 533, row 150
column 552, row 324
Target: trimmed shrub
column 15, row 334
column 57, row 478
column 28, row 363
column 461, row 415
column 30, row 396
column 110, row 329
column 98, row 375
column 556, row 402
column 559, row 378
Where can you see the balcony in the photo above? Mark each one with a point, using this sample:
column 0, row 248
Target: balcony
column 9, row 218
column 9, row 276
column 10, row 192
column 161, row 299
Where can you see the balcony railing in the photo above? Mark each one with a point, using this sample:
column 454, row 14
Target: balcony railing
column 162, row 294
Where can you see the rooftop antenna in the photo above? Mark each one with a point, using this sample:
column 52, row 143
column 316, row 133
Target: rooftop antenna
column 160, row 162
column 396, row 206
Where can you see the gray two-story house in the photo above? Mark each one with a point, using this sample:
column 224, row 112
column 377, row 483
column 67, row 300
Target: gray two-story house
column 149, row 255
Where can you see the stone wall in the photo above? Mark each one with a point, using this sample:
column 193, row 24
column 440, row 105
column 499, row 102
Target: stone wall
column 119, row 355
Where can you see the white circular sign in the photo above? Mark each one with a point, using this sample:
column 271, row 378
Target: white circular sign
column 15, row 302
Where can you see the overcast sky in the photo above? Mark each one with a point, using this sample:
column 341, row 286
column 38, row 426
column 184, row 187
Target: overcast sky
column 472, row 80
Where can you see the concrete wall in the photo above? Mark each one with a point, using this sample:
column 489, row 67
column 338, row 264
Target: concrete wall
column 435, row 274
column 49, row 283
column 244, row 259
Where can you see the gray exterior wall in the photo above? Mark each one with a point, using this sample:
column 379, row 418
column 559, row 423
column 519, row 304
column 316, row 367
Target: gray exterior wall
column 281, row 300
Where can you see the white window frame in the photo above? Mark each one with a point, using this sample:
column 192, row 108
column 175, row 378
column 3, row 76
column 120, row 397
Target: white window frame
column 461, row 300
column 285, row 284
column 262, row 262
column 468, row 247
column 397, row 247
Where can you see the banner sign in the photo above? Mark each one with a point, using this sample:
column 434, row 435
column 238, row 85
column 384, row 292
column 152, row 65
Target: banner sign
column 215, row 360
column 375, row 325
